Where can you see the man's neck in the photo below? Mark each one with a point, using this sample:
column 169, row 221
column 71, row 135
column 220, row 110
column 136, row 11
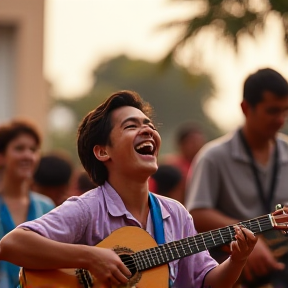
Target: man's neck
column 134, row 196
column 13, row 188
column 257, row 141
column 260, row 147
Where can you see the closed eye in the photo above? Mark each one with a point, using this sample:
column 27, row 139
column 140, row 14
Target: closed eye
column 130, row 126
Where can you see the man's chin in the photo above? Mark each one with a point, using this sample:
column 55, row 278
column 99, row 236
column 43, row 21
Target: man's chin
column 152, row 169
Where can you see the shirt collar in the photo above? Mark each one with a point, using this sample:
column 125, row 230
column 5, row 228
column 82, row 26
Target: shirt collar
column 113, row 201
column 116, row 206
column 238, row 151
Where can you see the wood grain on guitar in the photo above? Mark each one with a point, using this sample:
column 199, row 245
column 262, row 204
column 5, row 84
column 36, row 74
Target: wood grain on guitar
column 145, row 259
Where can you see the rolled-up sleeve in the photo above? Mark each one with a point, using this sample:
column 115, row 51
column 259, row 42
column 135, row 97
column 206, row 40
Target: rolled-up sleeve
column 61, row 224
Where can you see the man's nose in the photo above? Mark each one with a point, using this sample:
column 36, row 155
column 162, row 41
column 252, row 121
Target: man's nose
column 282, row 117
column 147, row 130
column 28, row 153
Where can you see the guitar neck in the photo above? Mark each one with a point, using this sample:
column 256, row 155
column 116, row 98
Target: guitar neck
column 152, row 257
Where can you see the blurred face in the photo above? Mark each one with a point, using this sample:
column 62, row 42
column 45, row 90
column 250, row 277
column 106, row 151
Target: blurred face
column 268, row 117
column 21, row 157
column 135, row 143
column 192, row 144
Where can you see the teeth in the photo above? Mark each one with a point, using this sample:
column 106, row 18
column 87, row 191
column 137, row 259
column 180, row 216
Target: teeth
column 146, row 144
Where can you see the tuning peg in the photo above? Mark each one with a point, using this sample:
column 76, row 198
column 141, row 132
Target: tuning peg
column 278, row 207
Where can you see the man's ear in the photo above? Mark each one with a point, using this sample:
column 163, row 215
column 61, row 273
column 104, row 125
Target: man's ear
column 244, row 107
column 101, row 153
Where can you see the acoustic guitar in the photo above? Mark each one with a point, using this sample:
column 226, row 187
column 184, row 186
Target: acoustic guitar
column 145, row 259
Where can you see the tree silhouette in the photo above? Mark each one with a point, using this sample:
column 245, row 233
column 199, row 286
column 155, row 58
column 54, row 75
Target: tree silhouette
column 232, row 18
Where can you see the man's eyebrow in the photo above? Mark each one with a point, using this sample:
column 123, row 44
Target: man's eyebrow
column 130, row 119
column 147, row 121
column 135, row 120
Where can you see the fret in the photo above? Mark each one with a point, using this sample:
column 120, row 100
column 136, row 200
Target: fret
column 171, row 254
column 261, row 224
column 203, row 241
column 190, row 247
column 226, row 234
column 157, row 251
column 245, row 224
column 138, row 261
column 143, row 260
column 209, row 241
column 146, row 257
column 193, row 238
column 221, row 236
column 218, row 240
column 170, row 251
column 258, row 222
column 154, row 254
column 165, row 253
column 212, row 238
column 182, row 248
column 174, row 250
column 200, row 242
column 232, row 232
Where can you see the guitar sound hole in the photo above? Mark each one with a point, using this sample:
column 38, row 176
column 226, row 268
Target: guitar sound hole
column 129, row 263
column 84, row 278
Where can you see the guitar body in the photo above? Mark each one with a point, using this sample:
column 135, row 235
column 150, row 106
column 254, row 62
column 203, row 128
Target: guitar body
column 122, row 240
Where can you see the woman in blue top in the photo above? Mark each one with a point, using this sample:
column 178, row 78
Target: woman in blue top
column 19, row 155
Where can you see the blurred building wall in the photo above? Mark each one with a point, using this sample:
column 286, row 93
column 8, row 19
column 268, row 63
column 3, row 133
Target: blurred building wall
column 23, row 90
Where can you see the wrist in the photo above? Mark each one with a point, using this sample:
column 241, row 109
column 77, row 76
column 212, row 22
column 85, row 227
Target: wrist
column 237, row 261
column 84, row 259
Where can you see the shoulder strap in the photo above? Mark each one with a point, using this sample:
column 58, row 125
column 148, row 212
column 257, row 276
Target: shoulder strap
column 157, row 219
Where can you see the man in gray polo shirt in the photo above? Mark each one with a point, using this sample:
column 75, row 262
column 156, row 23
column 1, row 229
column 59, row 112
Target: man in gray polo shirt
column 245, row 174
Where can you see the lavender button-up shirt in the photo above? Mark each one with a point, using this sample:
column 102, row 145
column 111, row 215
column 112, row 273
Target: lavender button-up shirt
column 93, row 216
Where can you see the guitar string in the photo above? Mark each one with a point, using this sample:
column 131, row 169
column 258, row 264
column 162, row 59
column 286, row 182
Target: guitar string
column 186, row 247
column 189, row 248
column 152, row 254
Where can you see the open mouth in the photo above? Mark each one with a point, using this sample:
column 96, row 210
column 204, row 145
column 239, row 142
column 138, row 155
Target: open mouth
column 145, row 148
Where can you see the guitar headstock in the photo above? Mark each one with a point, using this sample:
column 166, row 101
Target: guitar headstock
column 280, row 218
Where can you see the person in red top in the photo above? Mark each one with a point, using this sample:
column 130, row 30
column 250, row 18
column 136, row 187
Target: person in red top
column 189, row 139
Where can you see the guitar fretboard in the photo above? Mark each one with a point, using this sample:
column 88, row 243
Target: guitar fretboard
column 168, row 252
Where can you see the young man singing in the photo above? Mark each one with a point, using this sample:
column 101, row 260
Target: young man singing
column 118, row 146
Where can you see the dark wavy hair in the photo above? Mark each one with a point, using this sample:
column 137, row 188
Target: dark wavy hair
column 96, row 127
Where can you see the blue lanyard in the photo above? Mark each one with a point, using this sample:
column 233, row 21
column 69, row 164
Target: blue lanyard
column 157, row 221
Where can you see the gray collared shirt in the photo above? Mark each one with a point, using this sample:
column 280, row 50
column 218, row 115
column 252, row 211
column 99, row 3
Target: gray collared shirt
column 223, row 179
